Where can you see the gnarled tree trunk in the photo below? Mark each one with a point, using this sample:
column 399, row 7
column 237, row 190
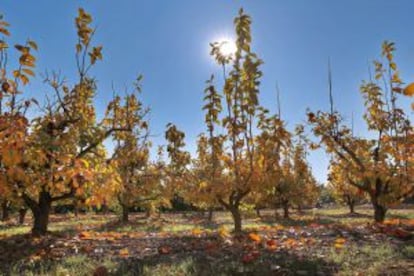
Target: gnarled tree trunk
column 379, row 211
column 41, row 212
column 379, row 208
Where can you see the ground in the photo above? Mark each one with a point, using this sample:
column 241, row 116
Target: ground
column 314, row 242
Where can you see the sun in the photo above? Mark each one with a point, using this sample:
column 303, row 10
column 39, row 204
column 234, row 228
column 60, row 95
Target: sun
column 227, row 47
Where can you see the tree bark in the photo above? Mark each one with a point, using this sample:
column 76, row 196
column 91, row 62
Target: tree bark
column 258, row 212
column 285, row 205
column 22, row 215
column 5, row 210
column 41, row 213
column 379, row 209
column 237, row 220
column 210, row 214
column 76, row 207
column 125, row 213
column 379, row 212
column 351, row 208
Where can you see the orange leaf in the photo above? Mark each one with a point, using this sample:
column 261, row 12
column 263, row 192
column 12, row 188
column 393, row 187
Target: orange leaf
column 85, row 235
column 164, row 249
column 271, row 244
column 254, row 237
column 291, row 242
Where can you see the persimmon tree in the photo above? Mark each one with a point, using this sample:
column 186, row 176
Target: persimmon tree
column 381, row 166
column 205, row 176
column 272, row 144
column 13, row 121
column 131, row 153
column 207, row 167
column 292, row 182
column 342, row 190
column 239, row 118
column 176, row 172
column 59, row 155
column 140, row 178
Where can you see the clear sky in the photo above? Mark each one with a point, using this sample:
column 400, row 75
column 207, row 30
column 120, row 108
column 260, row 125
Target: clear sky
column 167, row 41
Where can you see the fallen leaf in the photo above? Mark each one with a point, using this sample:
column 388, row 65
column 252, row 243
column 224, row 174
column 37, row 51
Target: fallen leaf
column 196, row 231
column 164, row 249
column 124, row 252
column 255, row 237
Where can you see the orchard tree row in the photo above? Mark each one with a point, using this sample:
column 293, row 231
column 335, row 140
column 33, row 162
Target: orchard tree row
column 245, row 158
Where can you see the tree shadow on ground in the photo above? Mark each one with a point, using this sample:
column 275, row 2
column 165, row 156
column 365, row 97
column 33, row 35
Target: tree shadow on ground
column 271, row 220
column 347, row 215
column 18, row 248
column 199, row 263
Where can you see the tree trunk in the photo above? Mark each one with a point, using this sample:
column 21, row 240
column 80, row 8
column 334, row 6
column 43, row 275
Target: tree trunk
column 76, row 207
column 5, row 210
column 258, row 212
column 351, row 208
column 379, row 209
column 235, row 212
column 379, row 212
column 22, row 215
column 104, row 209
column 285, row 206
column 210, row 214
column 125, row 213
column 41, row 213
column 148, row 213
column 351, row 204
column 277, row 213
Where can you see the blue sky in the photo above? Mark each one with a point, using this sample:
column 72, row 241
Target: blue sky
column 167, row 41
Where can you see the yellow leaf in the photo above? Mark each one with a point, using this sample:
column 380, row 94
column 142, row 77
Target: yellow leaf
column 32, row 44
column 197, row 231
column 409, row 90
column 29, row 72
column 24, row 79
column 78, row 48
column 339, row 245
column 124, row 252
column 223, row 232
column 279, row 227
column 340, row 240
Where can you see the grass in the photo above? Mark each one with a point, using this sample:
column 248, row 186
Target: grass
column 72, row 265
column 374, row 259
column 362, row 255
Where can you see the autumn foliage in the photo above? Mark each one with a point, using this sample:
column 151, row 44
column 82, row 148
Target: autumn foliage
column 247, row 157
